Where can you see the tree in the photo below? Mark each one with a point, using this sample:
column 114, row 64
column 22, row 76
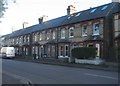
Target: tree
column 3, row 4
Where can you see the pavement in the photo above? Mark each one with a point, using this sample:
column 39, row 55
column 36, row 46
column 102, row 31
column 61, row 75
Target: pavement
column 107, row 66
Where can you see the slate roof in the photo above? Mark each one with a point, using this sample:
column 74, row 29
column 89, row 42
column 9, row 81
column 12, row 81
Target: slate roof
column 73, row 18
column 98, row 13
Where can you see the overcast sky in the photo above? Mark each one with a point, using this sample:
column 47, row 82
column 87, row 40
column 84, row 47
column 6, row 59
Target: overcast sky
column 30, row 10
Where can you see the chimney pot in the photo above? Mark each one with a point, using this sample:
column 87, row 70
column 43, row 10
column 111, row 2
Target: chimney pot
column 43, row 19
column 71, row 10
column 25, row 24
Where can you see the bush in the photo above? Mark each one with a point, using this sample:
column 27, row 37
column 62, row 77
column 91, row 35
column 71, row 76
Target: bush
column 84, row 52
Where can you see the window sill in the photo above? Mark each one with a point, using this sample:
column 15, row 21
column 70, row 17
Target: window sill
column 95, row 34
column 84, row 35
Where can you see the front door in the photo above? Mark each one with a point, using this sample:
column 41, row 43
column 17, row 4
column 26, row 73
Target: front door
column 98, row 50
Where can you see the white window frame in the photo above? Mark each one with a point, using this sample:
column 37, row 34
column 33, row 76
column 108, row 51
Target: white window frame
column 61, row 50
column 26, row 50
column 17, row 41
column 62, row 34
column 40, row 36
column 53, row 35
column 25, row 39
column 35, row 37
column 94, row 29
column 98, row 49
column 66, row 51
column 93, row 10
column 71, row 31
column 84, row 33
column 47, row 33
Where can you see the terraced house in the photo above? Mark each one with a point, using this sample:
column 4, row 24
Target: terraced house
column 95, row 27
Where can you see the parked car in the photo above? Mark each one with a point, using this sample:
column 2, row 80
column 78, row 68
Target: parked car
column 7, row 52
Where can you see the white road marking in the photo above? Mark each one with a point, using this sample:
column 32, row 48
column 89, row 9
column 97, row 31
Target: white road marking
column 109, row 77
column 20, row 78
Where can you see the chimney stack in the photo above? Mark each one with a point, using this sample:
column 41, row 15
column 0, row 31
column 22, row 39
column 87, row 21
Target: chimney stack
column 13, row 29
column 25, row 24
column 43, row 19
column 71, row 10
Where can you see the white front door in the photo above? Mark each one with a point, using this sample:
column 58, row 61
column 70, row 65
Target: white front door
column 98, row 50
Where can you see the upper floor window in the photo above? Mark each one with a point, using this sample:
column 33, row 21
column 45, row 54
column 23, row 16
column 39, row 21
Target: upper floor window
column 53, row 34
column 36, row 37
column 47, row 33
column 17, row 40
column 93, row 10
column 24, row 39
column 40, row 38
column 71, row 32
column 96, row 29
column 105, row 7
column 13, row 41
column 20, row 40
column 28, row 39
column 78, row 14
column 84, row 30
column 63, row 34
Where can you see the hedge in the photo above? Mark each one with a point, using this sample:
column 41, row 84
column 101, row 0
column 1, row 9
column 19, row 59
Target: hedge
column 84, row 52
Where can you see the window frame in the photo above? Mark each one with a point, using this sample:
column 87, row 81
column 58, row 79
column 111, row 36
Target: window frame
column 53, row 35
column 66, row 51
column 40, row 36
column 47, row 34
column 61, row 51
column 94, row 29
column 62, row 34
column 71, row 31
column 83, row 28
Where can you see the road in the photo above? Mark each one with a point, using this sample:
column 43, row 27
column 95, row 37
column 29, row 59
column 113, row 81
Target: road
column 24, row 72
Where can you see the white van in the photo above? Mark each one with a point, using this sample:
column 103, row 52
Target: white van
column 8, row 52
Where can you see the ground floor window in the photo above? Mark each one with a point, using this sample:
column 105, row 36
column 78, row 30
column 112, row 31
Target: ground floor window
column 61, row 50
column 66, row 50
column 26, row 51
column 53, row 51
column 36, row 50
column 41, row 51
column 33, row 50
column 20, row 51
column 16, row 51
column 48, row 51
